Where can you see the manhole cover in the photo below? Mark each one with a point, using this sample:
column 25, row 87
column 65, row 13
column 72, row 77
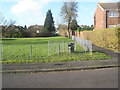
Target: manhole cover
column 58, row 64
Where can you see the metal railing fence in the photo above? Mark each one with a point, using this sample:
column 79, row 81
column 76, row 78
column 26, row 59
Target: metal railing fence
column 86, row 44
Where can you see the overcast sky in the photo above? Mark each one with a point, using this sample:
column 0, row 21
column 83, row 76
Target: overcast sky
column 31, row 12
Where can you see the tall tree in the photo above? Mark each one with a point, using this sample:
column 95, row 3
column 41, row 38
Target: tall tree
column 25, row 27
column 73, row 26
column 69, row 12
column 49, row 23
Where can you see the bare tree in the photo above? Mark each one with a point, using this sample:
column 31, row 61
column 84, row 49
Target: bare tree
column 69, row 12
column 1, row 18
column 5, row 22
column 11, row 22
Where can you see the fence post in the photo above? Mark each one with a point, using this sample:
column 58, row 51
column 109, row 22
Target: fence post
column 59, row 50
column 30, row 51
column 1, row 50
column 75, row 46
column 48, row 48
column 63, row 46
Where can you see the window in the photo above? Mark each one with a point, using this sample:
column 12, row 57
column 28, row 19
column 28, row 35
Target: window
column 110, row 26
column 113, row 14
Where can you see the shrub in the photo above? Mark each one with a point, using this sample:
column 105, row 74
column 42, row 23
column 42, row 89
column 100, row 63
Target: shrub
column 108, row 38
column 45, row 33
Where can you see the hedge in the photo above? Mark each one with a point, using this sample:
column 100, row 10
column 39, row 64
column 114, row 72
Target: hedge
column 107, row 38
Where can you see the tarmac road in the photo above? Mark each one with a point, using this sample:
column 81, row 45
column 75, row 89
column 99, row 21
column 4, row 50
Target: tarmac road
column 102, row 78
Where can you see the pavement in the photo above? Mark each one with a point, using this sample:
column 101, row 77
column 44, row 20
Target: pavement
column 65, row 66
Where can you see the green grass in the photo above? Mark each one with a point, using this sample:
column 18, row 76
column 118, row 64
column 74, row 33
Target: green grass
column 31, row 41
column 18, row 50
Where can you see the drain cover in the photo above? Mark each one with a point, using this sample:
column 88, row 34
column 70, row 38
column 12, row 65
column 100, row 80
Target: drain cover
column 58, row 64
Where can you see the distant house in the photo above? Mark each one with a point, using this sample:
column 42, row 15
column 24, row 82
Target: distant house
column 62, row 29
column 107, row 15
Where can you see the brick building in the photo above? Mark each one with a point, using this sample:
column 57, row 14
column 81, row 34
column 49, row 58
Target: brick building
column 107, row 15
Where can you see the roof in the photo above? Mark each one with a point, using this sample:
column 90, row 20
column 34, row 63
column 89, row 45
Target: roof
column 110, row 6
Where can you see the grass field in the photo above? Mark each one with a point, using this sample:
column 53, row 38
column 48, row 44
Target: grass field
column 32, row 50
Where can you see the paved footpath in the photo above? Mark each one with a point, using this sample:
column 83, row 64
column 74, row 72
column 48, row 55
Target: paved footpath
column 69, row 65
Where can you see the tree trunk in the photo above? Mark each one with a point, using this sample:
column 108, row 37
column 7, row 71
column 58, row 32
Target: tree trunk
column 68, row 29
column 73, row 32
column 68, row 33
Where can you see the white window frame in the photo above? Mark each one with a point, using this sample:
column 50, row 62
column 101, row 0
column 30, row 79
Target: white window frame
column 113, row 14
column 110, row 26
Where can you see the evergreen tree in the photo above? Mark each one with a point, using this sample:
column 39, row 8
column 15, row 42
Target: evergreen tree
column 49, row 23
column 25, row 27
column 73, row 26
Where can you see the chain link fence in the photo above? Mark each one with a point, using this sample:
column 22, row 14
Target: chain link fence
column 23, row 52
column 54, row 49
column 57, row 47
